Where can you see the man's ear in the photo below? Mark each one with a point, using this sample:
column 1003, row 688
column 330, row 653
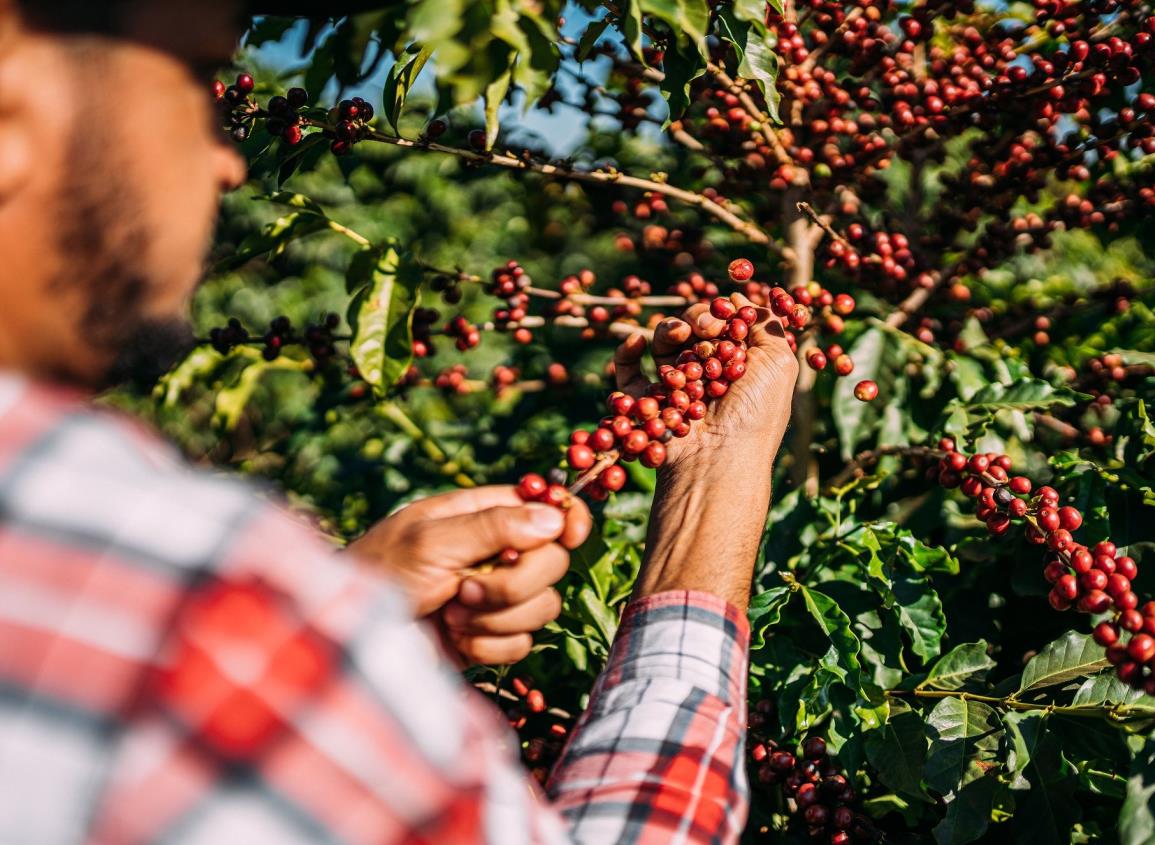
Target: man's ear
column 17, row 131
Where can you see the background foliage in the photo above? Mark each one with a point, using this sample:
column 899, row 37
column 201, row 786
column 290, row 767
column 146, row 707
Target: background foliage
column 886, row 619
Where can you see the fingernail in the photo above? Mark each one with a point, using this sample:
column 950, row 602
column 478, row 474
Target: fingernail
column 545, row 520
column 470, row 592
column 705, row 320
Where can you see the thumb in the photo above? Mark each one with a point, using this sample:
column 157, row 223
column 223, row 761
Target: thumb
column 466, row 539
column 767, row 329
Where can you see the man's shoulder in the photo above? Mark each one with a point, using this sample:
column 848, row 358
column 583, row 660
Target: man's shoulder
column 97, row 478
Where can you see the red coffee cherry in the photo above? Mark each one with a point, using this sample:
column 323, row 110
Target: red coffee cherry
column 1106, row 634
column 531, row 487
column 635, row 442
column 741, row 270
column 865, row 391
column 814, row 748
column 1060, row 540
column 1070, row 518
column 1048, row 519
column 748, row 314
column 1019, row 484
column 978, row 463
column 1130, row 620
column 723, row 308
column 1081, row 560
column 816, row 359
column 580, row 457
column 1095, row 601
column 654, row 455
column 1067, row 587
column 843, row 364
column 613, row 478
column 1141, row 648
column 843, row 304
column 602, row 439
column 1126, row 567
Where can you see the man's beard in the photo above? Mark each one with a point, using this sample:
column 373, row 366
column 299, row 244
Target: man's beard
column 104, row 244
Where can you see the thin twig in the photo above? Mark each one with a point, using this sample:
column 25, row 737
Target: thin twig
column 768, row 130
column 805, row 208
column 750, row 230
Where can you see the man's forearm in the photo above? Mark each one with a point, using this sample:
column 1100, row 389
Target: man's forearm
column 707, row 521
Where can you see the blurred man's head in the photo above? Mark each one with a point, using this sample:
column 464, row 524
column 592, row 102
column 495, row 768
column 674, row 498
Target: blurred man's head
column 111, row 166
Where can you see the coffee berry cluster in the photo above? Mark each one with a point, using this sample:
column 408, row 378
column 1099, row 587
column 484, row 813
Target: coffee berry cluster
column 819, row 794
column 318, row 338
column 1094, row 580
column 638, row 428
column 542, row 730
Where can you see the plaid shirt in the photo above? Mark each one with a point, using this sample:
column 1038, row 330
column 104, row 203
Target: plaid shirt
column 182, row 662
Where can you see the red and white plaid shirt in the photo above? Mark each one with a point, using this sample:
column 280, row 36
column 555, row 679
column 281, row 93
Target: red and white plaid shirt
column 182, row 662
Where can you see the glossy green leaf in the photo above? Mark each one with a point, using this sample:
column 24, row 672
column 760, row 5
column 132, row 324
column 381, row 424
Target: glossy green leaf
column 400, row 81
column 1106, row 688
column 964, row 743
column 842, row 657
column 764, row 612
column 968, row 812
column 963, row 663
column 494, row 96
column 1073, row 655
column 1137, row 820
column 897, row 751
column 382, row 345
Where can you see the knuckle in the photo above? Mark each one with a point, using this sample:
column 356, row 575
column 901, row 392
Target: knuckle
column 553, row 604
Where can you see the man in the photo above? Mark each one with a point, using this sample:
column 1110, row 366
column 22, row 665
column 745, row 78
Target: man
column 180, row 661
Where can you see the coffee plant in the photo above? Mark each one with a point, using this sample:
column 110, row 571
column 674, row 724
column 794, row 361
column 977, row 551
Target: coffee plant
column 948, row 210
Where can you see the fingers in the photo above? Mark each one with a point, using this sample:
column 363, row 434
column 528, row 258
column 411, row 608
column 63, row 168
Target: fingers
column 458, row 502
column 526, row 617
column 670, row 336
column 468, row 538
column 767, row 330
column 507, row 586
column 628, row 365
column 490, row 650
column 578, row 524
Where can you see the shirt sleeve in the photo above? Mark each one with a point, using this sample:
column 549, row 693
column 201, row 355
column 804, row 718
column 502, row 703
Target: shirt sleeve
column 294, row 700
column 658, row 755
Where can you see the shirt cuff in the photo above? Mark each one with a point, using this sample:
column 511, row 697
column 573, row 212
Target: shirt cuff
column 684, row 635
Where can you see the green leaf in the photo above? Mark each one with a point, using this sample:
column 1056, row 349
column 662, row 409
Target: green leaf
column 382, row 345
column 229, row 406
column 494, row 96
column 1045, row 814
column 593, row 32
column 1137, row 819
column 842, row 657
column 632, row 28
column 760, row 63
column 1071, row 656
column 1106, row 688
column 400, row 81
column 968, row 813
column 897, row 751
column 1023, row 395
column 855, row 420
column 962, row 663
column 909, row 596
column 275, row 237
column 686, row 18
column 765, row 612
column 964, row 744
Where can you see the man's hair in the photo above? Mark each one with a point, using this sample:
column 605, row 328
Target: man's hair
column 97, row 17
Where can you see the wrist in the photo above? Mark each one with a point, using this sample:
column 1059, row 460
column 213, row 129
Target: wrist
column 706, row 525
